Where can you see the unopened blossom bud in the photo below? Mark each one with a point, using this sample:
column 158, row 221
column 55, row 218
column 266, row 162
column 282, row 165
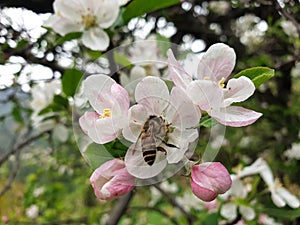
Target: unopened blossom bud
column 111, row 180
column 209, row 179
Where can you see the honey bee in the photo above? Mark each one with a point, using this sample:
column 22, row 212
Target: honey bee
column 154, row 132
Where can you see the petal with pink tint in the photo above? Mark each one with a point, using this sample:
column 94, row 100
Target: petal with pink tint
column 97, row 89
column 238, row 90
column 235, row 116
column 183, row 113
column 205, row 93
column 153, row 93
column 217, row 62
column 121, row 98
column 111, row 180
column 209, row 179
column 178, row 75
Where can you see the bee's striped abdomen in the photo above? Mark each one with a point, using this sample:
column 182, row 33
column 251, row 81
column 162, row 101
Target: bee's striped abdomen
column 149, row 150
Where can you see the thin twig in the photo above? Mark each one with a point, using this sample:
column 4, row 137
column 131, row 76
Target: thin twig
column 189, row 218
column 19, row 147
column 13, row 175
column 120, row 208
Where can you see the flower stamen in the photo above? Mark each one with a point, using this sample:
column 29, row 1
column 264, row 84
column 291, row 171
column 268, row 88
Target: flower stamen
column 222, row 82
column 106, row 114
column 88, row 20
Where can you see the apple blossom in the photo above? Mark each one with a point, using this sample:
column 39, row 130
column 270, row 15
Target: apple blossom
column 209, row 179
column 110, row 102
column 279, row 195
column 178, row 117
column 111, row 180
column 88, row 16
column 207, row 88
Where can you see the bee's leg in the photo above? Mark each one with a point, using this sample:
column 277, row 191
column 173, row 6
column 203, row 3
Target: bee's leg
column 161, row 149
column 170, row 145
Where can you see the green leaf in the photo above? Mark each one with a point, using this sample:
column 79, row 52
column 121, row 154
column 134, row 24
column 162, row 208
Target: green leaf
column 67, row 37
column 96, row 155
column 207, row 121
column 282, row 213
column 21, row 44
column 94, row 54
column 139, row 7
column 116, row 148
column 258, row 75
column 61, row 101
column 211, row 219
column 70, row 81
column 17, row 114
column 122, row 59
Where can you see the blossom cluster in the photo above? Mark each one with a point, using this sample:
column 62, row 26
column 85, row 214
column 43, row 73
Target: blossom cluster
column 162, row 124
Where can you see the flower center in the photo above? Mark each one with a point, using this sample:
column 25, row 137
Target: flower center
column 106, row 114
column 88, row 20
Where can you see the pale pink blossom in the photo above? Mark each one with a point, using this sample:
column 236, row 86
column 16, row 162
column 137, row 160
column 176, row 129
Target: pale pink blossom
column 209, row 179
column 88, row 16
column 207, row 89
column 110, row 102
column 111, row 180
column 178, row 116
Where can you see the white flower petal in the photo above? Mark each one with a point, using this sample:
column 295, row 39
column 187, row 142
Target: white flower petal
column 97, row 89
column 277, row 199
column 183, row 113
column 137, row 115
column 137, row 166
column 178, row 75
column 217, row 62
column 247, row 212
column 205, row 93
column 106, row 12
column 62, row 26
column 95, row 39
column 153, row 93
column 235, row 116
column 229, row 211
column 70, row 10
column 290, row 199
column 238, row 90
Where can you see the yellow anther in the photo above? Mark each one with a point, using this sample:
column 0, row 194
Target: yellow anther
column 206, row 78
column 221, row 82
column 88, row 20
column 106, row 114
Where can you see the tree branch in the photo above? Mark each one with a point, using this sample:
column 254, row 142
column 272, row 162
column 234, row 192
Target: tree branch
column 189, row 218
column 120, row 208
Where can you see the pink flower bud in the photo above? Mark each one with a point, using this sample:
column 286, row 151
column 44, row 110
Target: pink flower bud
column 111, row 180
column 209, row 179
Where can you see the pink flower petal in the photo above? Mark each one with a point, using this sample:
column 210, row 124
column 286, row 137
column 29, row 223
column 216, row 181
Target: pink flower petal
column 217, row 62
column 205, row 93
column 238, row 90
column 183, row 113
column 210, row 179
column 121, row 98
column 97, row 89
column 153, row 93
column 235, row 116
column 111, row 180
column 87, row 120
column 178, row 75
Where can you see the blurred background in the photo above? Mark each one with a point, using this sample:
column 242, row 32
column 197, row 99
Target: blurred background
column 43, row 177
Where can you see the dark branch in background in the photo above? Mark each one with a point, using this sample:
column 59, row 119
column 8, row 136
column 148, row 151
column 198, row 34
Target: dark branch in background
column 119, row 210
column 287, row 16
column 38, row 6
column 189, row 217
column 13, row 175
column 30, row 58
column 19, row 147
